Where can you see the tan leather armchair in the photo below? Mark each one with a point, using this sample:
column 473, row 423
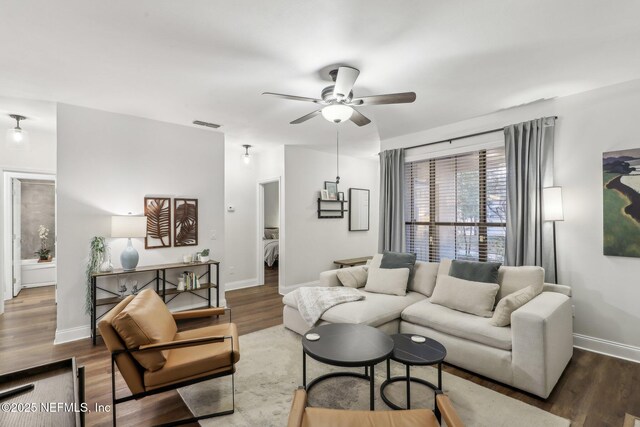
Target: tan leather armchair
column 153, row 357
column 303, row 416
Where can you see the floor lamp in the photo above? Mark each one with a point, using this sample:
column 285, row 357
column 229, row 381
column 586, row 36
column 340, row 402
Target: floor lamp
column 552, row 211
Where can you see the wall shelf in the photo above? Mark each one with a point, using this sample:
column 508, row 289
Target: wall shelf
column 324, row 213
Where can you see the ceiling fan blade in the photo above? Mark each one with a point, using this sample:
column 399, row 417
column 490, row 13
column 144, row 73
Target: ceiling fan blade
column 391, row 98
column 358, row 118
column 306, row 117
column 295, row 98
column 344, row 82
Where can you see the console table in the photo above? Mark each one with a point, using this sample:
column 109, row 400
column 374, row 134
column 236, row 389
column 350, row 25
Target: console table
column 167, row 294
column 352, row 261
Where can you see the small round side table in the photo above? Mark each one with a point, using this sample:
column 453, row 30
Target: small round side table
column 411, row 353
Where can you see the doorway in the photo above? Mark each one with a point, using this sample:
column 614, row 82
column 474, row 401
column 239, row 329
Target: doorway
column 30, row 231
column 270, row 233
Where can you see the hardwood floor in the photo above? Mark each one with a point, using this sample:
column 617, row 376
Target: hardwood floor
column 595, row 390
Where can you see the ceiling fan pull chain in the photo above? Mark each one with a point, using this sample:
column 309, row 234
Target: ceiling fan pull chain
column 337, row 153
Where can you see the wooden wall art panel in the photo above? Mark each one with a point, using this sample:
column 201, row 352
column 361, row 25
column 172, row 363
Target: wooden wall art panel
column 185, row 217
column 158, row 213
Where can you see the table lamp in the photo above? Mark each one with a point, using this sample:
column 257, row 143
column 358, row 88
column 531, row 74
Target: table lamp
column 129, row 226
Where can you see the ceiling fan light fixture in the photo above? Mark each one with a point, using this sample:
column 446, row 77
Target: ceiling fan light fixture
column 337, row 113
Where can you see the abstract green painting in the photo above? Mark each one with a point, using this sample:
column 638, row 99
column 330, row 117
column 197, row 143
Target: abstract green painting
column 621, row 202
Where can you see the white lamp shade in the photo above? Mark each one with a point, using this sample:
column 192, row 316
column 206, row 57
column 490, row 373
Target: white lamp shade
column 128, row 226
column 552, row 204
column 337, row 113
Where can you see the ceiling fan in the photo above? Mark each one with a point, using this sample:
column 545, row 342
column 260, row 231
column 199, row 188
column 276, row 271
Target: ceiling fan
column 338, row 103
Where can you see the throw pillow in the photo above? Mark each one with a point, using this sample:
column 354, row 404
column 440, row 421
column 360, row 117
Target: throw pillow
column 475, row 271
column 353, row 277
column 464, row 295
column 391, row 281
column 512, row 302
column 392, row 260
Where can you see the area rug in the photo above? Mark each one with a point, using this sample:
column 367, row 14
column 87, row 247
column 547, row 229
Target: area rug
column 270, row 369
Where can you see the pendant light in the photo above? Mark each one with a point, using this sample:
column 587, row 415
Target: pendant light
column 246, row 157
column 16, row 136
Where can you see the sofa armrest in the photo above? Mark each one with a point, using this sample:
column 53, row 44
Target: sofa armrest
column 542, row 340
column 561, row 289
column 298, row 405
column 329, row 278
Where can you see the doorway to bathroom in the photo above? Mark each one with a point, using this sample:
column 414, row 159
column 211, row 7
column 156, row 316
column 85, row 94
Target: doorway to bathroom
column 30, row 231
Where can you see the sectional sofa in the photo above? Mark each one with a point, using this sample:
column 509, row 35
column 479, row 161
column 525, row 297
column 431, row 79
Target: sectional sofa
column 530, row 354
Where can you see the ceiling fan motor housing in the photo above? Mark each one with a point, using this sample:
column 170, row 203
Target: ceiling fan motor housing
column 327, row 95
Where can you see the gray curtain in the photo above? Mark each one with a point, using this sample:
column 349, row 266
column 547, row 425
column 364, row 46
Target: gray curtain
column 529, row 156
column 391, row 203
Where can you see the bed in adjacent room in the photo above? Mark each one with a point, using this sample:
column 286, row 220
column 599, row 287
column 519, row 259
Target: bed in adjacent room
column 271, row 246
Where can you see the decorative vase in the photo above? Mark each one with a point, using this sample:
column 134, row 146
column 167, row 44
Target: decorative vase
column 105, row 265
column 181, row 283
column 204, row 258
column 187, row 258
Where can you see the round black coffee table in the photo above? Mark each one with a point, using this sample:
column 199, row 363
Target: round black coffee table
column 347, row 345
column 410, row 353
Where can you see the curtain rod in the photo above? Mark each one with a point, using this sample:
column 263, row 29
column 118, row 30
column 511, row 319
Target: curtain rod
column 450, row 140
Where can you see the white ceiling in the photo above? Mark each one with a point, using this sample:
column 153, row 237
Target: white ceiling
column 178, row 61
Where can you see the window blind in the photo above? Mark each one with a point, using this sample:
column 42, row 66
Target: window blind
column 456, row 206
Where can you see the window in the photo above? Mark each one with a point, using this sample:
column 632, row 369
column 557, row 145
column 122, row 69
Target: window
column 456, row 206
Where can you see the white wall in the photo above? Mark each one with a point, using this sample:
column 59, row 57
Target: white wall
column 606, row 289
column 271, row 205
column 311, row 244
column 240, row 225
column 41, row 157
column 107, row 163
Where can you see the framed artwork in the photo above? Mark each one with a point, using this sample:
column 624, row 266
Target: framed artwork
column 621, row 203
column 332, row 189
column 324, row 195
column 341, row 195
column 158, row 213
column 185, row 220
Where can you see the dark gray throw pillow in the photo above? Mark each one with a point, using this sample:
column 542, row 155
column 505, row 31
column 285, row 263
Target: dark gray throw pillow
column 486, row 272
column 398, row 260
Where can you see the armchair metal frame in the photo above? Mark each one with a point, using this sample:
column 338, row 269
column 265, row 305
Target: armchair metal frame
column 168, row 346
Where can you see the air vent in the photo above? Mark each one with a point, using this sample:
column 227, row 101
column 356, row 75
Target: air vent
column 207, row 124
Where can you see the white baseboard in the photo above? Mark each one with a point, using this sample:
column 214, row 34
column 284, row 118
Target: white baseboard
column 286, row 289
column 72, row 334
column 240, row 284
column 606, row 347
column 38, row 285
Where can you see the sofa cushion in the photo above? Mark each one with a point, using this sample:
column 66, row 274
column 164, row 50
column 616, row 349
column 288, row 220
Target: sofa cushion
column 464, row 295
column 146, row 320
column 374, row 310
column 459, row 324
column 475, row 271
column 353, row 277
column 444, row 266
column 424, row 278
column 512, row 279
column 512, row 302
column 391, row 281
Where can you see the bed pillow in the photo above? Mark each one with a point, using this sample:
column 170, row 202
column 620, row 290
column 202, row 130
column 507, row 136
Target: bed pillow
column 353, row 277
column 390, row 281
column 512, row 302
column 464, row 295
column 475, row 271
column 271, row 233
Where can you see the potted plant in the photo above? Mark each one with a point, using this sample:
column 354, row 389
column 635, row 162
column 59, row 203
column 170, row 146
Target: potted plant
column 204, row 255
column 98, row 247
column 44, row 253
